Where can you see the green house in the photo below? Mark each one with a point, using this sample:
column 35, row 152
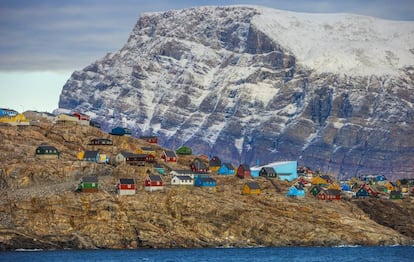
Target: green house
column 396, row 194
column 315, row 190
column 88, row 184
column 46, row 151
column 184, row 150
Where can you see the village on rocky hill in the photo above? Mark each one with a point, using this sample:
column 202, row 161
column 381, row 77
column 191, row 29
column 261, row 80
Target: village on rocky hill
column 68, row 184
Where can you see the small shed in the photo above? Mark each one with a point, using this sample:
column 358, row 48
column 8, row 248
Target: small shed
column 267, row 172
column 182, row 181
column 153, row 183
column 226, row 169
column 243, row 171
column 126, row 186
column 47, row 152
column 88, row 184
column 251, row 188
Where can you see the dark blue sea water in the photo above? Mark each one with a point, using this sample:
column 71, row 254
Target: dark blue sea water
column 302, row 254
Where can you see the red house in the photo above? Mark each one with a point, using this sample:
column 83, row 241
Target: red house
column 150, row 158
column 371, row 192
column 330, row 194
column 81, row 116
column 169, row 156
column 126, row 186
column 150, row 139
column 243, row 171
column 153, row 183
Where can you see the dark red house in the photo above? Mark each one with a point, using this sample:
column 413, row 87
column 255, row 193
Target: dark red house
column 169, row 156
column 153, row 183
column 81, row 116
column 243, row 171
column 150, row 139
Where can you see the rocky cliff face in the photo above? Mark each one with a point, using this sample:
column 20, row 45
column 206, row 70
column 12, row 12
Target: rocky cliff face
column 251, row 84
column 39, row 208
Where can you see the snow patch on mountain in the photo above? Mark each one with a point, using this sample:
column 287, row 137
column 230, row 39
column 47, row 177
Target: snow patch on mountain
column 341, row 43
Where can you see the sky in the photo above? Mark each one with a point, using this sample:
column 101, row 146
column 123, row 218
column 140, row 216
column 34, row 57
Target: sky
column 42, row 42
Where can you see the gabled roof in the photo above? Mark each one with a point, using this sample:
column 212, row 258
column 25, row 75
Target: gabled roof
column 46, row 147
column 126, row 154
column 143, row 148
column 183, row 171
column 90, row 179
column 253, row 185
column 228, row 165
column 154, row 178
column 245, row 166
column 206, row 179
column 170, row 153
column 91, row 154
column 184, row 177
column 126, row 181
column 269, row 170
column 215, row 161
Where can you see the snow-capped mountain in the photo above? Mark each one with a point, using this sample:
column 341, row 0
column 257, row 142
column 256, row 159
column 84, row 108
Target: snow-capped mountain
column 252, row 84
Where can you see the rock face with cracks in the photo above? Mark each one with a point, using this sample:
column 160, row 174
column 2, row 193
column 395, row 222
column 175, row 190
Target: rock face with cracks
column 254, row 84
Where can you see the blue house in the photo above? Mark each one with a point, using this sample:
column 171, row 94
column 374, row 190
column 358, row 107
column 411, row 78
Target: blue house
column 296, row 191
column 362, row 192
column 8, row 112
column 345, row 187
column 226, row 169
column 204, row 181
column 121, row 131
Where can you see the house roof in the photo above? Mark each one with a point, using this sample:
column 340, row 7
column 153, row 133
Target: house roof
column 228, row 165
column 154, row 178
column 245, row 166
column 90, row 179
column 170, row 153
column 253, row 185
column 126, row 181
column 126, row 154
column 183, row 171
column 46, row 147
column 91, row 154
column 184, row 177
column 215, row 161
column 269, row 170
column 333, row 192
column 206, row 179
column 147, row 148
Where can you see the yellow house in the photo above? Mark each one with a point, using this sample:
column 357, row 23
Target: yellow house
column 66, row 118
column 390, row 186
column 317, row 180
column 146, row 151
column 251, row 188
column 17, row 120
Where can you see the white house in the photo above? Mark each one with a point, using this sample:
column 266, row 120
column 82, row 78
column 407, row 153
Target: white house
column 182, row 180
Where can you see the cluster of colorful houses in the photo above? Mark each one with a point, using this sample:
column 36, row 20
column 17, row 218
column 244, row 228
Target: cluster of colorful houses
column 201, row 170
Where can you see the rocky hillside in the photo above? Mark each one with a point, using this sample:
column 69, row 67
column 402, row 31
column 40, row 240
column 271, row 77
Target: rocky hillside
column 39, row 208
column 253, row 84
